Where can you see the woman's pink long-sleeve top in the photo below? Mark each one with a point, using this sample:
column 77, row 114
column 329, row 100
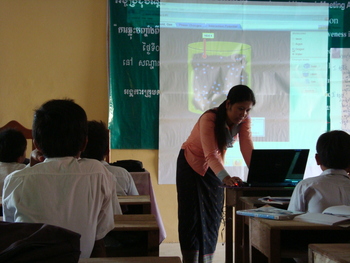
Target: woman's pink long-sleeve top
column 201, row 149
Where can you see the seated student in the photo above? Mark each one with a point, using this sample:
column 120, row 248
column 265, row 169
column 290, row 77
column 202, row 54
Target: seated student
column 13, row 146
column 332, row 186
column 63, row 190
column 98, row 148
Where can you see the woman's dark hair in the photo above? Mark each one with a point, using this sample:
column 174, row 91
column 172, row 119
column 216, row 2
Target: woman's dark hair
column 333, row 149
column 60, row 128
column 98, row 141
column 13, row 145
column 238, row 93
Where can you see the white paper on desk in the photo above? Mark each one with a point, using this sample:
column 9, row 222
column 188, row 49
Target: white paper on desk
column 339, row 210
column 275, row 200
column 324, row 219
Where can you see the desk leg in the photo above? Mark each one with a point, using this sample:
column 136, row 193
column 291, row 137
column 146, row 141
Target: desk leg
column 153, row 243
column 241, row 251
column 229, row 235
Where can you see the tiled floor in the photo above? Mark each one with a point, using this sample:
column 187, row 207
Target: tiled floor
column 173, row 249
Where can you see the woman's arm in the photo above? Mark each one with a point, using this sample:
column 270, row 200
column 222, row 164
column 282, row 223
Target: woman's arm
column 245, row 140
column 208, row 141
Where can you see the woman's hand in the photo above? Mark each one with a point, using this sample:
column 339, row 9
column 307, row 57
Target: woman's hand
column 232, row 181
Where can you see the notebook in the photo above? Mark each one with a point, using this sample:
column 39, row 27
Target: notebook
column 277, row 167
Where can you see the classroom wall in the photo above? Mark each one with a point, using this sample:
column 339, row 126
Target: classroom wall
column 57, row 49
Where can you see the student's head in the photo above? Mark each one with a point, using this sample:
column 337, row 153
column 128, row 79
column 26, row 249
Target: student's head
column 333, row 150
column 13, row 146
column 98, row 141
column 60, row 128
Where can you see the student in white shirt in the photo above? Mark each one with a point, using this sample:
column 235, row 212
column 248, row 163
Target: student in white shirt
column 98, row 148
column 13, row 146
column 332, row 186
column 63, row 190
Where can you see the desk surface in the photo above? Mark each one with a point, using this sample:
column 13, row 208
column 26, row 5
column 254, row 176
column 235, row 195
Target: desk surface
column 135, row 204
column 131, row 260
column 134, row 199
column 277, row 239
column 236, row 251
column 144, row 186
column 322, row 253
column 135, row 222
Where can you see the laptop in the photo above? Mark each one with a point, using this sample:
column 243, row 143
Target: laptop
column 277, row 167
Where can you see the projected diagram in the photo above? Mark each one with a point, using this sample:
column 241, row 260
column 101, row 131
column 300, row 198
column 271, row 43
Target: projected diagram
column 213, row 68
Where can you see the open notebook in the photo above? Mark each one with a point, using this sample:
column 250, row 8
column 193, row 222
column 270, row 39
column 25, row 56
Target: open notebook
column 277, row 167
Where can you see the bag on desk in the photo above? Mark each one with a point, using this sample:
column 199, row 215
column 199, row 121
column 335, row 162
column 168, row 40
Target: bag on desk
column 130, row 165
column 39, row 243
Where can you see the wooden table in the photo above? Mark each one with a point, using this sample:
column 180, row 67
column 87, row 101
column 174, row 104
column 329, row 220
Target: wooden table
column 131, row 260
column 236, row 223
column 329, row 253
column 272, row 240
column 132, row 236
column 135, row 204
column 144, row 186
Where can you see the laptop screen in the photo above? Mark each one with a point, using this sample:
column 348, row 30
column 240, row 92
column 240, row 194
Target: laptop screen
column 277, row 166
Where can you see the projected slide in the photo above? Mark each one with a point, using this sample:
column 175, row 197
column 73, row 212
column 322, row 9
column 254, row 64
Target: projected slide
column 214, row 67
column 278, row 49
column 340, row 86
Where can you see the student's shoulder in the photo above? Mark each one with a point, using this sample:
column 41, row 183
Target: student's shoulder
column 92, row 164
column 19, row 173
column 117, row 168
column 314, row 181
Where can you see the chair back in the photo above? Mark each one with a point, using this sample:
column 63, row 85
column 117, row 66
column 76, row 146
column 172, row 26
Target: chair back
column 16, row 125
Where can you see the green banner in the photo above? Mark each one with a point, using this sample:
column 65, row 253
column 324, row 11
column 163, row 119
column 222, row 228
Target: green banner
column 134, row 74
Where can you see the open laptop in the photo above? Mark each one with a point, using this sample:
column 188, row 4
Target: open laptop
column 277, row 167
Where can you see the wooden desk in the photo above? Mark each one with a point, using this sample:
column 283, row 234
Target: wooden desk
column 249, row 203
column 329, row 253
column 131, row 260
column 132, row 236
column 144, row 186
column 272, row 240
column 135, row 204
column 233, row 200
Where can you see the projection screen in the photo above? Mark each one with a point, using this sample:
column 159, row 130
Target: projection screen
column 280, row 50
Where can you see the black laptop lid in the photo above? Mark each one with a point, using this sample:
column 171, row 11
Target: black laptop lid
column 277, row 166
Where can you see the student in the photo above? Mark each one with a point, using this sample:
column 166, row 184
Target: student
column 13, row 146
column 98, row 148
column 63, row 190
column 200, row 172
column 332, row 186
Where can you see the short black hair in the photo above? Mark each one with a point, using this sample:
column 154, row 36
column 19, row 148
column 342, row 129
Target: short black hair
column 13, row 145
column 333, row 149
column 98, row 141
column 60, row 128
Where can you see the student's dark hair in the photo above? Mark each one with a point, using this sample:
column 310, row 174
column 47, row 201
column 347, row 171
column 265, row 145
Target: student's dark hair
column 98, row 141
column 333, row 149
column 60, row 128
column 13, row 145
column 238, row 93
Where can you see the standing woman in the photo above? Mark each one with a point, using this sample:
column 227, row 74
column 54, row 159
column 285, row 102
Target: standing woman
column 200, row 172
